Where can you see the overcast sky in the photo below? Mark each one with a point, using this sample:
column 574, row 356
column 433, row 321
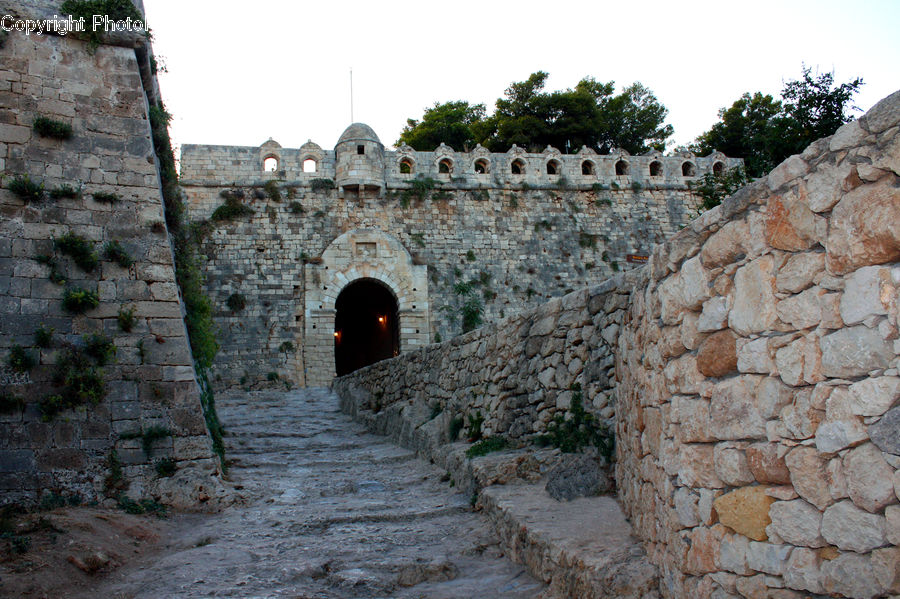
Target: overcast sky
column 240, row 72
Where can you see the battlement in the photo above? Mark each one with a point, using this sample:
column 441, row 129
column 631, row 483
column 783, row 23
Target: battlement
column 475, row 169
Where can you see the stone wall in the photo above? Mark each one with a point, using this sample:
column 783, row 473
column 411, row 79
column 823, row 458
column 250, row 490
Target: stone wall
column 151, row 381
column 757, row 438
column 518, row 373
column 527, row 245
column 755, row 391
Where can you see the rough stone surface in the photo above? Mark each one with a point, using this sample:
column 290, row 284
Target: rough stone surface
column 865, row 228
column 578, row 476
column 317, row 487
column 746, row 511
column 852, row 529
column 850, row 575
column 869, row 476
column 854, row 351
column 717, row 355
column 798, row 523
column 754, row 297
column 808, row 476
column 885, row 433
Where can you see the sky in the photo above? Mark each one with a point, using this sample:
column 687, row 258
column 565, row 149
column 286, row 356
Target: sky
column 241, row 72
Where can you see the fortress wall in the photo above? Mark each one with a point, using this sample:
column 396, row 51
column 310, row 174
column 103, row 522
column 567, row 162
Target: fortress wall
column 530, row 253
column 110, row 151
column 518, row 373
column 756, row 388
column 758, row 381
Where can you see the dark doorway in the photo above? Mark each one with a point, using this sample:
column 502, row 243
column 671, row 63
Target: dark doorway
column 366, row 326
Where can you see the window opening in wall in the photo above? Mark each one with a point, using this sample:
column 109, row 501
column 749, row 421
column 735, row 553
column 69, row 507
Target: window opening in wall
column 360, row 150
column 553, row 168
column 445, row 166
column 406, row 167
column 481, row 166
column 309, row 166
column 655, row 169
column 517, row 167
column 270, row 164
column 718, row 168
column 366, row 326
column 621, row 168
column 688, row 169
column 587, row 168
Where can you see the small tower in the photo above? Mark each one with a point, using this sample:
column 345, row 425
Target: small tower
column 359, row 158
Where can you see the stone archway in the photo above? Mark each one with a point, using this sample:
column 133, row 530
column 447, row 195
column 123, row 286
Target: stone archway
column 361, row 255
column 366, row 326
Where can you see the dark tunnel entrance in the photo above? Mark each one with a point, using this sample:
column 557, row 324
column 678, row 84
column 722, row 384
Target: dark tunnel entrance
column 366, row 326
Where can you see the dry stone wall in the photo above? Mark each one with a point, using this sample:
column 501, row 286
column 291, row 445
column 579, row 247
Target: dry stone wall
column 756, row 386
column 518, row 373
column 758, row 365
column 151, row 382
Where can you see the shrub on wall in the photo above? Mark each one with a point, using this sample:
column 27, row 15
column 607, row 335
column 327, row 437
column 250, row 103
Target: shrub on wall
column 78, row 301
column 47, row 127
column 26, row 189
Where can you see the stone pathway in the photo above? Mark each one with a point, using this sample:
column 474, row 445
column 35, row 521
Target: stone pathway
column 333, row 511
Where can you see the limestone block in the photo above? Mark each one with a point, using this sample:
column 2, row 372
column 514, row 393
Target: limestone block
column 864, row 228
column 726, row 245
column 835, row 435
column 808, row 475
column 702, row 556
column 885, row 433
column 799, row 271
column 803, row 571
column 869, row 476
column 800, row 362
column 767, row 464
column 892, row 524
column 714, row 316
column 803, row 310
column 884, row 115
column 854, row 351
column 798, row 523
column 886, row 565
column 733, row 554
column 693, row 414
column 790, row 224
column 754, row 297
column 686, row 507
column 717, row 355
column 737, row 408
column 850, row 575
column 746, row 511
column 682, row 376
column 731, row 465
column 768, row 557
column 824, row 186
column 792, row 168
column 852, row 529
column 868, row 292
column 802, row 417
column 754, row 356
column 697, row 466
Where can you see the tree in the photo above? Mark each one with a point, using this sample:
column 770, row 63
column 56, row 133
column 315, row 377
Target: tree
column 450, row 123
column 590, row 114
column 764, row 131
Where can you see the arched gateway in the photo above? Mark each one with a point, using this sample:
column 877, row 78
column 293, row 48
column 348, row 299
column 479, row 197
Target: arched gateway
column 364, row 274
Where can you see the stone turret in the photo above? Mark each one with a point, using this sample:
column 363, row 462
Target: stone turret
column 359, row 160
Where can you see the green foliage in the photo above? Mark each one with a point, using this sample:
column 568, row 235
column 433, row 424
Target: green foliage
column 78, row 301
column 10, row 403
column 450, row 123
column 437, row 337
column 418, row 239
column 19, row 359
column 272, row 190
column 18, row 544
column 296, row 208
column 473, row 430
column 211, row 416
column 456, row 425
column 232, row 208
column 47, row 127
column 144, row 506
column 126, row 319
column 99, row 347
column 79, row 249
column 116, row 10
column 577, row 431
column 272, row 376
column 79, row 379
column 470, row 256
column 586, row 240
column 141, row 351
column 65, row 191
column 106, row 197
column 713, row 188
column 765, row 131
column 513, row 202
column 236, row 302
column 486, row 446
column 165, row 467
column 321, row 184
column 636, row 186
column 151, row 435
column 471, row 314
column 286, row 347
column 27, row 189
column 114, row 251
column 115, row 480
column 543, row 224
